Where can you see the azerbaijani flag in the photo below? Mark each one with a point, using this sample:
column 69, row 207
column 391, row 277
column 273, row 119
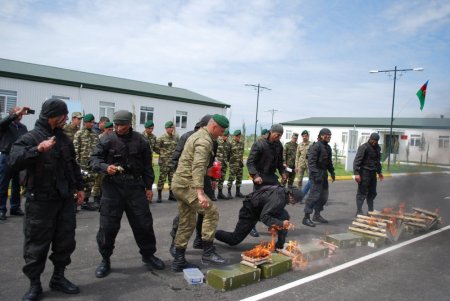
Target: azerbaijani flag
column 421, row 95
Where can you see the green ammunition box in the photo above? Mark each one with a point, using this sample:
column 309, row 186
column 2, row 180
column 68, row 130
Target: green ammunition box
column 344, row 240
column 372, row 241
column 313, row 251
column 280, row 264
column 232, row 276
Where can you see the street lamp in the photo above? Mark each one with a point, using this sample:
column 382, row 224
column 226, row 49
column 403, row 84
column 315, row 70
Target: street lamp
column 273, row 113
column 393, row 101
column 257, row 87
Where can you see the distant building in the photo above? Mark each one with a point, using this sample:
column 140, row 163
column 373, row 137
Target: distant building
column 418, row 140
column 30, row 84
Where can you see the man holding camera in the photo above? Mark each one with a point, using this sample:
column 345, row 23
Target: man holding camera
column 10, row 130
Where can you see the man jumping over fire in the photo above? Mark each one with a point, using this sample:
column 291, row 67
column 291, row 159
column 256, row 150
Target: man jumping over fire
column 268, row 206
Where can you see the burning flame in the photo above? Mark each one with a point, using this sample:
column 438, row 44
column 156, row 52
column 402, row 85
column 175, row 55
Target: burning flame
column 293, row 250
column 260, row 251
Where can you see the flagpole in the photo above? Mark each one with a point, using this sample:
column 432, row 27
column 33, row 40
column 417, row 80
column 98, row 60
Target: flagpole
column 393, row 102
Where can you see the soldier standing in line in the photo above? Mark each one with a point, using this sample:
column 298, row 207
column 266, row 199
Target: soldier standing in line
column 84, row 142
column 148, row 133
column 100, row 126
column 223, row 156
column 319, row 164
column 125, row 158
column 74, row 125
column 236, row 164
column 108, row 129
column 367, row 165
column 166, row 145
column 301, row 163
column 188, row 186
column 290, row 149
column 264, row 134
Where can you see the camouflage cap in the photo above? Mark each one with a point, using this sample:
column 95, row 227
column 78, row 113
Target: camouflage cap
column 77, row 115
column 168, row 124
column 237, row 133
column 88, row 117
column 122, row 117
column 108, row 125
column 221, row 120
column 295, row 135
column 149, row 124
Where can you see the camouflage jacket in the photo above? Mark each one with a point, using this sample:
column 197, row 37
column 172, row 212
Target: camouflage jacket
column 194, row 160
column 300, row 157
column 84, row 142
column 152, row 141
column 70, row 130
column 223, row 151
column 166, row 145
column 236, row 151
column 289, row 153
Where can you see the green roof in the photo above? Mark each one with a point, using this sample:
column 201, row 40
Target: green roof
column 60, row 76
column 373, row 122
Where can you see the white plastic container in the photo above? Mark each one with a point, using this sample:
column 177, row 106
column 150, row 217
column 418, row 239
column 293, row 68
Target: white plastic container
column 193, row 276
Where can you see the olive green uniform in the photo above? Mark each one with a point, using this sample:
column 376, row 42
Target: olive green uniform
column 289, row 153
column 84, row 142
column 301, row 162
column 236, row 163
column 152, row 141
column 70, row 130
column 166, row 145
column 223, row 156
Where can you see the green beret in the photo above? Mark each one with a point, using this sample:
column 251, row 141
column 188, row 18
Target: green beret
column 264, row 131
column 226, row 133
column 122, row 117
column 221, row 120
column 108, row 125
column 237, row 133
column 149, row 124
column 168, row 124
column 88, row 117
column 305, row 132
column 295, row 135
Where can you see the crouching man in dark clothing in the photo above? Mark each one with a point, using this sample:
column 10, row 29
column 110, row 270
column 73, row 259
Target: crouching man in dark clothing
column 53, row 176
column 268, row 206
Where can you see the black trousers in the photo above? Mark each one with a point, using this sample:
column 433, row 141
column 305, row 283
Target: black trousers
column 248, row 217
column 129, row 197
column 48, row 223
column 367, row 189
column 318, row 195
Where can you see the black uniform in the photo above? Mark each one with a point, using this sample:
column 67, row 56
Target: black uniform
column 264, row 160
column 125, row 191
column 266, row 205
column 319, row 162
column 367, row 165
column 52, row 178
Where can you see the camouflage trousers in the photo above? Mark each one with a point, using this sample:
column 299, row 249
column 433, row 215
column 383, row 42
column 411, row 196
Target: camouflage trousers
column 291, row 177
column 301, row 174
column 97, row 188
column 88, row 181
column 165, row 171
column 235, row 173
column 223, row 172
column 188, row 207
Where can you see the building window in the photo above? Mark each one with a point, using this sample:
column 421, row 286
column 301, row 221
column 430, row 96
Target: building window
column 107, row 109
column 444, row 141
column 288, row 135
column 181, row 119
column 146, row 114
column 415, row 140
column 8, row 100
column 344, row 138
column 364, row 138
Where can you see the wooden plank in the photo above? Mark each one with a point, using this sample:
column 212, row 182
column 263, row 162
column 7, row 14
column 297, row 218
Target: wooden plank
column 367, row 232
column 426, row 212
column 371, row 218
column 365, row 226
column 370, row 223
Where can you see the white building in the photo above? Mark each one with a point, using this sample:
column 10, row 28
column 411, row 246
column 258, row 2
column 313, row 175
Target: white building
column 25, row 84
column 423, row 140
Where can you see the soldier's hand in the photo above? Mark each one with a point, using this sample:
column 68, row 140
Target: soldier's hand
column 258, row 180
column 333, row 177
column 21, row 111
column 112, row 169
column 358, row 178
column 381, row 177
column 202, row 199
column 286, row 224
column 149, row 195
column 80, row 197
column 46, row 145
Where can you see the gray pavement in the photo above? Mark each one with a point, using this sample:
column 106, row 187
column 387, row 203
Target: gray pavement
column 417, row 271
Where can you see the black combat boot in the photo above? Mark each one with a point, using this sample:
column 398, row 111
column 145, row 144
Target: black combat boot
column 210, row 255
column 238, row 193
column 180, row 263
column 230, row 196
column 172, row 248
column 154, row 261
column 59, row 283
column 159, row 200
column 34, row 292
column 103, row 268
column 87, row 206
column 254, row 232
column 214, row 199
column 171, row 196
column 221, row 196
column 307, row 221
column 318, row 218
column 198, row 242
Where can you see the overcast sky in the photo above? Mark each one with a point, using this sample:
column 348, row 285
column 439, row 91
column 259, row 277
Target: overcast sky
column 314, row 55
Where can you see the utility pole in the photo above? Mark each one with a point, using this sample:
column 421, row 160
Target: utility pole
column 257, row 87
column 273, row 113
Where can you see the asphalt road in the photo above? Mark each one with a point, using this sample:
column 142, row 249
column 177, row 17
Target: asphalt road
column 408, row 270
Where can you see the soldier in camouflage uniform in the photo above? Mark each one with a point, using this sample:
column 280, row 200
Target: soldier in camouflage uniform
column 148, row 133
column 166, row 145
column 236, row 164
column 223, row 156
column 301, row 163
column 109, row 127
column 73, row 127
column 188, row 187
column 289, row 152
column 264, row 134
column 84, row 142
column 99, row 129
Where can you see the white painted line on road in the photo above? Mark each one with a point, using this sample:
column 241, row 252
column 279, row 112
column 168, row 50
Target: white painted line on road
column 340, row 267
